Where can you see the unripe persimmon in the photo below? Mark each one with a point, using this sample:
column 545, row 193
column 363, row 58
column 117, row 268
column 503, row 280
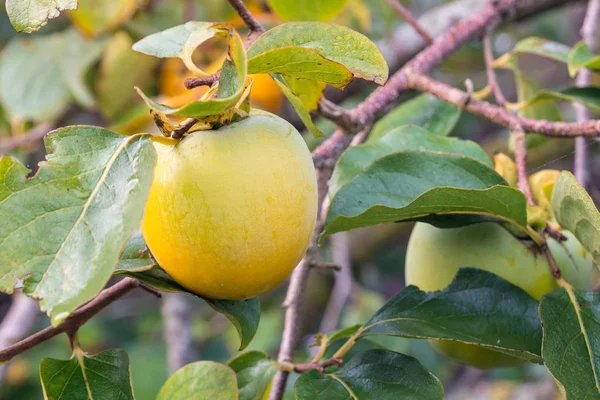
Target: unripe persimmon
column 231, row 210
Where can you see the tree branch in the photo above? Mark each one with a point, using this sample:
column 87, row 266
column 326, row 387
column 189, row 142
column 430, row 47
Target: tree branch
column 489, row 69
column 176, row 312
column 500, row 115
column 589, row 34
column 77, row 319
column 33, row 135
column 405, row 14
column 246, row 16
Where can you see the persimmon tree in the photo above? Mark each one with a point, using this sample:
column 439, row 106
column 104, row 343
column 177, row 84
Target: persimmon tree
column 65, row 231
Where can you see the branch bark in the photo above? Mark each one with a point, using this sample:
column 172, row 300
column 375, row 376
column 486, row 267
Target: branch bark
column 406, row 15
column 33, row 135
column 177, row 314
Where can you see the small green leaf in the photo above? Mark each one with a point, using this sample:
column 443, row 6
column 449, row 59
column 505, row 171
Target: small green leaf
column 537, row 46
column 373, row 374
column 425, row 110
column 30, row 92
column 333, row 42
column 29, row 16
column 575, row 210
column 137, row 263
column 412, row 185
column 298, row 105
column 63, row 230
column 104, row 376
column 115, row 83
column 571, row 351
column 307, row 10
column 202, row 380
column 478, row 307
column 254, row 372
column 181, row 41
column 308, row 91
column 357, row 159
column 231, row 85
column 588, row 96
column 300, row 62
column 582, row 57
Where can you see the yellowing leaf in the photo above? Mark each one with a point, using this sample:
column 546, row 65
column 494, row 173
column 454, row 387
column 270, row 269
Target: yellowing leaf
column 307, row 10
column 94, row 17
column 29, row 16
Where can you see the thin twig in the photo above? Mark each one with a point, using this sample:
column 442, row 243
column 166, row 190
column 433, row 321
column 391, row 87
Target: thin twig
column 246, row 16
column 406, row 15
column 521, row 163
column 320, row 366
column 33, row 135
column 337, row 114
column 489, row 69
column 191, row 83
column 77, row 319
column 333, row 266
column 589, row 34
column 189, row 10
column 499, row 115
column 183, row 127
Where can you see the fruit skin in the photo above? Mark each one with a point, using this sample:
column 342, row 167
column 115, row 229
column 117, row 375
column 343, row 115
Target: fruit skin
column 231, row 211
column 434, row 256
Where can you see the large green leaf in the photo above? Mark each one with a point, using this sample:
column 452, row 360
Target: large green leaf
column 571, row 351
column 307, row 10
column 254, row 372
column 62, row 231
column 231, row 83
column 138, row 263
column 374, row 374
column 478, row 307
column 104, row 376
column 202, row 380
column 29, row 16
column 333, row 42
column 357, row 159
column 413, row 185
column 575, row 210
column 30, row 92
column 582, row 57
column 425, row 110
column 300, row 62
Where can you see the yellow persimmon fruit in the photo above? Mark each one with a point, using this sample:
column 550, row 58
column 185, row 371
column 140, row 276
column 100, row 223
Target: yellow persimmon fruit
column 231, row 210
column 265, row 93
column 434, row 256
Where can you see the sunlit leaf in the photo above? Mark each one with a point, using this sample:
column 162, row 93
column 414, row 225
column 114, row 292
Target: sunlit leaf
column 588, row 96
column 309, row 91
column 298, row 105
column 254, row 372
column 63, row 230
column 202, row 380
column 582, row 57
column 29, row 16
column 104, row 376
column 537, row 46
column 307, row 10
column 94, row 17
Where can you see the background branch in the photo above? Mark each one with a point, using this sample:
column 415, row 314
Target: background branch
column 33, row 135
column 177, row 330
column 589, row 34
column 406, row 15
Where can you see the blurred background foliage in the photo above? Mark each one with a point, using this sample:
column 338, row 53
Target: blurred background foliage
column 80, row 69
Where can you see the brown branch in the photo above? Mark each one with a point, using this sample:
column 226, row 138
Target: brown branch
column 339, row 115
column 320, row 366
column 33, row 135
column 189, row 10
column 246, row 16
column 521, row 163
column 406, row 15
column 589, row 34
column 333, row 266
column 191, row 83
column 76, row 320
column 489, row 69
column 500, row 115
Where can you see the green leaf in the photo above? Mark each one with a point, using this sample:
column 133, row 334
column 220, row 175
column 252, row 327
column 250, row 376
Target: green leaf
column 582, row 57
column 478, row 307
column 571, row 351
column 30, row 92
column 537, row 46
column 374, row 374
column 115, row 83
column 300, row 62
column 308, row 91
column 202, row 380
column 137, row 263
column 588, row 96
column 94, row 17
column 254, row 372
column 357, row 159
column 575, row 210
column 231, row 84
column 412, row 185
column 181, row 41
column 298, row 105
column 62, row 231
column 29, row 16
column 104, row 376
column 336, row 43
column 425, row 110
column 307, row 10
